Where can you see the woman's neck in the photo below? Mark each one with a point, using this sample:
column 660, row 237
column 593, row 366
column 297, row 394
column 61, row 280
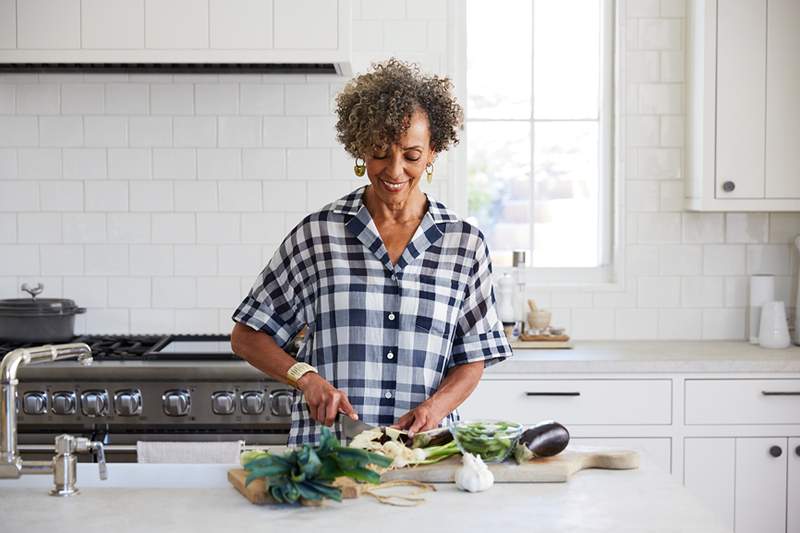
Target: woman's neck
column 412, row 209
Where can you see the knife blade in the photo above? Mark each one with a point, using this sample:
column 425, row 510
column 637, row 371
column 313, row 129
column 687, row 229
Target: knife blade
column 351, row 428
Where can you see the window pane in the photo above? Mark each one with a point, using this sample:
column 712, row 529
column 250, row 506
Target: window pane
column 566, row 208
column 566, row 58
column 499, row 59
column 499, row 185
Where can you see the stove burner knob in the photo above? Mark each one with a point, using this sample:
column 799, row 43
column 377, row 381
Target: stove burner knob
column 94, row 403
column 177, row 402
column 34, row 403
column 281, row 404
column 252, row 402
column 64, row 403
column 128, row 402
column 222, row 403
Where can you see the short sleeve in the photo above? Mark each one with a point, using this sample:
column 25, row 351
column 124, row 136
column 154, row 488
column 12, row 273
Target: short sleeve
column 479, row 333
column 273, row 304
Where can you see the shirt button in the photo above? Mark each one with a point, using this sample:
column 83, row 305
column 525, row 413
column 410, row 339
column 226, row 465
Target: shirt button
column 394, row 277
column 388, row 395
column 391, row 316
column 390, row 355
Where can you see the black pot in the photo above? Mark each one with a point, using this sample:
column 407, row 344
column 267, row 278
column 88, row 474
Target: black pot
column 38, row 320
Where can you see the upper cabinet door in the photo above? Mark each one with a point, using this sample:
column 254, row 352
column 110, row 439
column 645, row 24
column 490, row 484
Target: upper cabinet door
column 783, row 99
column 741, row 53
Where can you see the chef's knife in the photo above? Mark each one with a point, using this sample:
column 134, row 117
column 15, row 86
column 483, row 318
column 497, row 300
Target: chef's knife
column 351, row 428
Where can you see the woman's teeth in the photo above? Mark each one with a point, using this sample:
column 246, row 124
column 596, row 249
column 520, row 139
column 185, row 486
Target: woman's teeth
column 393, row 186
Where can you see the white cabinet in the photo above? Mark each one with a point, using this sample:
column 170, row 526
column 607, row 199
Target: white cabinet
column 793, row 487
column 310, row 32
column 742, row 479
column 743, row 112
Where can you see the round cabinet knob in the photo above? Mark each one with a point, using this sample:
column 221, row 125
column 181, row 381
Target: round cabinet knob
column 64, row 403
column 94, row 403
column 775, row 451
column 177, row 402
column 281, row 403
column 252, row 402
column 797, row 451
column 128, row 402
column 728, row 186
column 34, row 403
column 222, row 403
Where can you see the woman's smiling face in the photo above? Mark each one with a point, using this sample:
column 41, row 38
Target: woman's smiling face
column 395, row 171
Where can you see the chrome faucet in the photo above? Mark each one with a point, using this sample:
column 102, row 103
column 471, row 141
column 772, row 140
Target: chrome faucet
column 63, row 466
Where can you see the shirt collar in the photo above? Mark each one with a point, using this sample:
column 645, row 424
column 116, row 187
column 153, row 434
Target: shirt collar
column 353, row 202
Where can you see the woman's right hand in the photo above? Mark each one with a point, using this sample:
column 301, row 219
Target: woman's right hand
column 324, row 400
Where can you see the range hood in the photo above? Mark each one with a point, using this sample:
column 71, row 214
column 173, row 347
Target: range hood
column 179, row 36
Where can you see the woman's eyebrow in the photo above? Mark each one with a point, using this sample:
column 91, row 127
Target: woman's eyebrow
column 417, row 147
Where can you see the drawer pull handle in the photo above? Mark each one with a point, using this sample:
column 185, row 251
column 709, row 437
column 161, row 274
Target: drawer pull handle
column 797, row 451
column 552, row 394
column 775, row 451
column 780, row 393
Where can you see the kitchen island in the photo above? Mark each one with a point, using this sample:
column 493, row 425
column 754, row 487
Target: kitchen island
column 157, row 498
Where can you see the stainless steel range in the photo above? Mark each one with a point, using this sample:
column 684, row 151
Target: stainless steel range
column 169, row 388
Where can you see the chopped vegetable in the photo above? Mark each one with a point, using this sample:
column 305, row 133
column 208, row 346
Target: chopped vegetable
column 307, row 472
column 545, row 439
column 393, row 444
column 491, row 440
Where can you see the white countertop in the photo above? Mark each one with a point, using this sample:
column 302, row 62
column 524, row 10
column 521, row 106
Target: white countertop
column 592, row 501
column 651, row 357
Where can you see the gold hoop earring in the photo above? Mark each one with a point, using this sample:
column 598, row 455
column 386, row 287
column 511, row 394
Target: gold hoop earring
column 360, row 168
column 429, row 171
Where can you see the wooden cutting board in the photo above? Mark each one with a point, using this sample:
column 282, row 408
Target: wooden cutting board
column 256, row 491
column 547, row 469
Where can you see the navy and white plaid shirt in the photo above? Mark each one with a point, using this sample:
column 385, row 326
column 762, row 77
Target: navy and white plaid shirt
column 385, row 334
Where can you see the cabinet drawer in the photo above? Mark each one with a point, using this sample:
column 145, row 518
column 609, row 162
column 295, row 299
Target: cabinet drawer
column 573, row 402
column 743, row 401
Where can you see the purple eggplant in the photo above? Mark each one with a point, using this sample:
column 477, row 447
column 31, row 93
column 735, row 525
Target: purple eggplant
column 545, row 439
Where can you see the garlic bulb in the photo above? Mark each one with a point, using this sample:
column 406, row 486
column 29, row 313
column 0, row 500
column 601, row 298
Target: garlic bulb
column 474, row 475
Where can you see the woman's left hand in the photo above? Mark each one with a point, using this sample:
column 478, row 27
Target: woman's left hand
column 422, row 418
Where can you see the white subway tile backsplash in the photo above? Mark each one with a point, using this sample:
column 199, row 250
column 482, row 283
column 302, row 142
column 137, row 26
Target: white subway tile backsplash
column 8, row 164
column 642, row 130
column 174, row 228
column 60, row 131
column 239, row 131
column 284, row 132
column 172, row 99
column 39, row 227
column 106, row 196
column 672, row 195
column 19, row 195
column 174, row 163
column 661, row 99
column 659, row 163
column 110, row 131
column 39, row 163
column 106, row 259
column 82, row 99
column 382, row 9
column 196, row 260
column 405, row 36
column 26, row 260
column 196, row 196
column 310, row 99
column 199, row 321
column 129, row 164
column 658, row 227
column 151, row 260
column 284, row 196
column 8, row 228
column 723, row 324
column 216, row 99
column 241, row 260
column 784, row 227
column 84, row 228
column 681, row 259
column 218, row 228
column 108, row 321
column 724, row 260
column 20, row 131
column 38, row 99
column 261, row 99
column 594, row 324
column 642, row 195
column 702, row 291
column 661, row 291
column 322, row 132
column 262, row 228
column 128, row 227
column 240, row 196
column 151, row 196
column 746, row 227
column 660, row 34
column 220, row 292
column 195, row 132
column 7, row 96
column 150, row 131
column 84, row 163
column 672, row 67
column 219, row 163
column 152, row 321
column 63, row 259
column 680, row 324
column 319, row 197
column 641, row 259
column 703, row 227
column 127, row 98
column 175, row 292
column 61, row 195
column 737, row 291
column 86, row 291
column 307, row 163
column 263, row 163
column 768, row 259
column 129, row 292
column 636, row 324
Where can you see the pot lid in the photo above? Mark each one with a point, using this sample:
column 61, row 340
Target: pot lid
column 38, row 307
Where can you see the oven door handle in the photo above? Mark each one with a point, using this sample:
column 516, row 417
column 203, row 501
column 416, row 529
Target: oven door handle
column 51, row 448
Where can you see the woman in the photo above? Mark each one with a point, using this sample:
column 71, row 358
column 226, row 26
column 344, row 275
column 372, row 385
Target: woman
column 395, row 289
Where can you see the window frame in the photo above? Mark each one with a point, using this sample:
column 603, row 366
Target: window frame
column 610, row 273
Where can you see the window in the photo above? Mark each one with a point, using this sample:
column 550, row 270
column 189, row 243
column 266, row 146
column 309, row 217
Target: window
column 538, row 132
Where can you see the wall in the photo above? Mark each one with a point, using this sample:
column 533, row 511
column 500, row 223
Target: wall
column 155, row 200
